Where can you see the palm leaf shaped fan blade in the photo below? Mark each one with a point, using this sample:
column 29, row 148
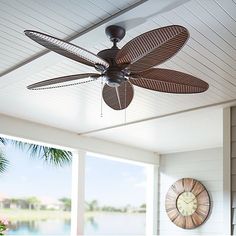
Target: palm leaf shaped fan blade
column 152, row 48
column 64, row 81
column 118, row 98
column 168, row 81
column 66, row 49
column 122, row 68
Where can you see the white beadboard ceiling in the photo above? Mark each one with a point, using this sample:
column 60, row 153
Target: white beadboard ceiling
column 201, row 129
column 210, row 54
column 63, row 19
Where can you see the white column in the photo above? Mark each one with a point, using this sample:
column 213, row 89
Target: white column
column 227, row 170
column 152, row 198
column 78, row 177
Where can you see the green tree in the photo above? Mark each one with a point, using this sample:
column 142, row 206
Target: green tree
column 66, row 202
column 50, row 155
column 16, row 202
column 143, row 206
column 93, row 205
column 33, row 203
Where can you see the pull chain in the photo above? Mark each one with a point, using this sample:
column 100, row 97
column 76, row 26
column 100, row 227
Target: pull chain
column 101, row 114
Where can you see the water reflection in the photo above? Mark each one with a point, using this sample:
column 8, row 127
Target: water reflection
column 113, row 224
column 30, row 225
column 90, row 220
column 39, row 227
column 96, row 224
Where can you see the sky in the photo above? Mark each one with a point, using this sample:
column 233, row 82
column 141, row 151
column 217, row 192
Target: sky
column 27, row 176
column 114, row 183
column 110, row 182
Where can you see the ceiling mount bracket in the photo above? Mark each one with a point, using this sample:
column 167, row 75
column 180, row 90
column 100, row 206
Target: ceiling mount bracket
column 115, row 33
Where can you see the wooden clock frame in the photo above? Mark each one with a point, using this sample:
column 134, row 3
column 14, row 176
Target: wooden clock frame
column 203, row 203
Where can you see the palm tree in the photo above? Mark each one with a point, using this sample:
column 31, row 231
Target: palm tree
column 66, row 202
column 50, row 155
column 3, row 161
column 33, row 203
column 93, row 205
column 2, row 140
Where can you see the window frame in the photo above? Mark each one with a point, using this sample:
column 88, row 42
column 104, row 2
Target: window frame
column 78, row 192
column 26, row 131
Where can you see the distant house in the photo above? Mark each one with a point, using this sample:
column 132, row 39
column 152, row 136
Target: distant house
column 9, row 203
column 1, row 201
column 44, row 203
column 51, row 204
column 6, row 203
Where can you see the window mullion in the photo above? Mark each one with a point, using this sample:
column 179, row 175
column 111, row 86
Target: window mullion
column 78, row 183
column 152, row 199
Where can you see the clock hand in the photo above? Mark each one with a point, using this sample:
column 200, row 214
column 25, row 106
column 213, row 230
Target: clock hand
column 191, row 200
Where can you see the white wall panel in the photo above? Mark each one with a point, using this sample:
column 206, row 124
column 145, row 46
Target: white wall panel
column 205, row 166
column 233, row 170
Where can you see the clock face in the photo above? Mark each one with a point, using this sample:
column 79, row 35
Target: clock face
column 187, row 203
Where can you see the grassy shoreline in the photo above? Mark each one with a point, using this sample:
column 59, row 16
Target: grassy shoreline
column 16, row 214
column 26, row 215
column 94, row 213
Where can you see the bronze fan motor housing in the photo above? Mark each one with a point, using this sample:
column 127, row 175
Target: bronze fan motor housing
column 115, row 74
column 122, row 69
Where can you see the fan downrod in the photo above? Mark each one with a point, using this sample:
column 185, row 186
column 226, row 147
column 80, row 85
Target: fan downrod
column 114, row 75
column 115, row 33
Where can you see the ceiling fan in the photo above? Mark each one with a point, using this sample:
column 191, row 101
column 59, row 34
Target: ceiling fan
column 122, row 68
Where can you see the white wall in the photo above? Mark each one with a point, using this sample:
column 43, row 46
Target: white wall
column 205, row 166
column 233, row 168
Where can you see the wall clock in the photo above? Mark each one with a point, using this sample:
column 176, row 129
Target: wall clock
column 187, row 203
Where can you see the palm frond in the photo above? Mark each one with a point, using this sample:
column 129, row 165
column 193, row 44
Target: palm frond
column 50, row 155
column 3, row 162
column 3, row 140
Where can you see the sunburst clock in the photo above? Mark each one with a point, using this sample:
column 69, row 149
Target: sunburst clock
column 187, row 203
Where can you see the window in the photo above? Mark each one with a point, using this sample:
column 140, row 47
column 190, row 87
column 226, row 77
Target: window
column 115, row 196
column 34, row 196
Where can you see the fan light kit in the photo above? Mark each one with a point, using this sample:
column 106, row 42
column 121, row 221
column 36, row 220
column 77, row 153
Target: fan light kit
column 122, row 68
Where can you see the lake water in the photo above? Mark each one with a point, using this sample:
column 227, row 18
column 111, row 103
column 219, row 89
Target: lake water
column 40, row 227
column 116, row 224
column 100, row 224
